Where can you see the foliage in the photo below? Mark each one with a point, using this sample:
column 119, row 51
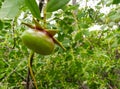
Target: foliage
column 116, row 1
column 92, row 58
column 54, row 5
column 10, row 8
column 32, row 5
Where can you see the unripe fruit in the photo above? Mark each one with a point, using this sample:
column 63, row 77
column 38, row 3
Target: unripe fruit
column 38, row 41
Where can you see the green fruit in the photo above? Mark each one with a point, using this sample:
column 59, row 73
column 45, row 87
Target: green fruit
column 38, row 41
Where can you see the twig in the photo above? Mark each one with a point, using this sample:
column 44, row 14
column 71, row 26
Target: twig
column 13, row 32
column 30, row 72
column 28, row 79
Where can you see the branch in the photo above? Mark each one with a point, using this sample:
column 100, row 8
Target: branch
column 30, row 72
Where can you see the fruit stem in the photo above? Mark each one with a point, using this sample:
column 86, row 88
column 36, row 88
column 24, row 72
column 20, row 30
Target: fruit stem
column 30, row 68
column 38, row 26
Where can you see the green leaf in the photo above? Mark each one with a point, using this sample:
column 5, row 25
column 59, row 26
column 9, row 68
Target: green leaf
column 1, row 2
column 78, row 36
column 1, row 25
column 54, row 5
column 115, row 17
column 32, row 5
column 116, row 1
column 84, row 25
column 10, row 8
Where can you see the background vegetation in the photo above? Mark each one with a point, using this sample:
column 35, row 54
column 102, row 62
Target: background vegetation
column 92, row 59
